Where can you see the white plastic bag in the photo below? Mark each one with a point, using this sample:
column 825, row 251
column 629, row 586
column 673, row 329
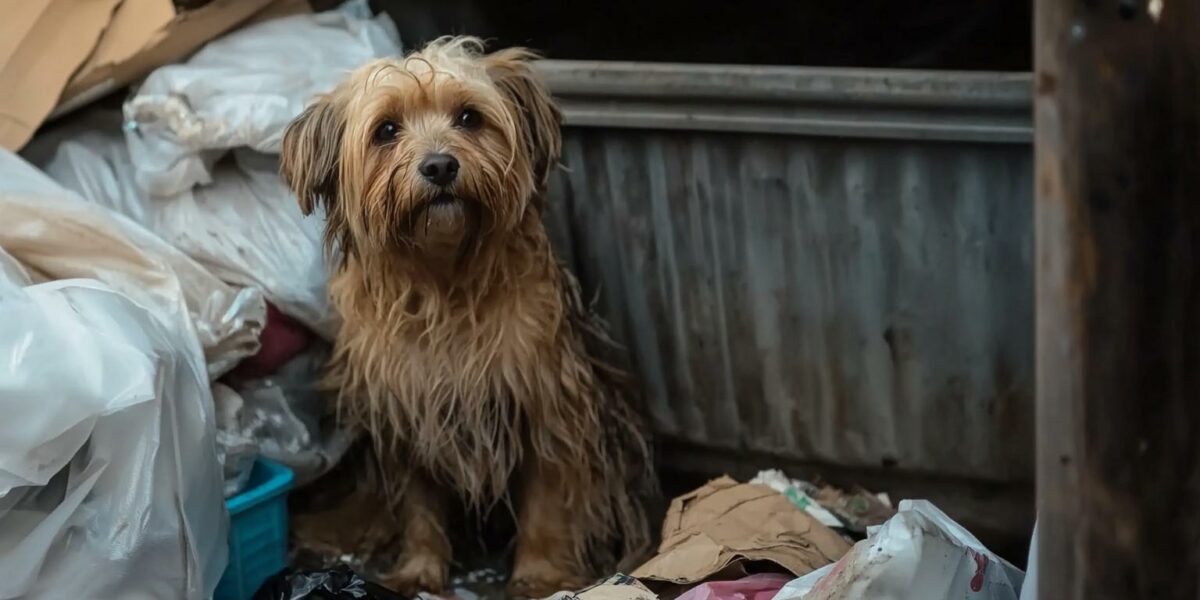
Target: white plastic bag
column 109, row 484
column 919, row 554
column 245, row 227
column 137, row 513
column 242, row 90
column 59, row 235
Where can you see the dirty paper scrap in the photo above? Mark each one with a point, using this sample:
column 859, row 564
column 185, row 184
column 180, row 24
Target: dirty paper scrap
column 617, row 587
column 725, row 523
column 858, row 508
column 799, row 493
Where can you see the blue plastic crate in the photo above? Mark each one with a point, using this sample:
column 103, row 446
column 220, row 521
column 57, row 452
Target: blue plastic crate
column 258, row 531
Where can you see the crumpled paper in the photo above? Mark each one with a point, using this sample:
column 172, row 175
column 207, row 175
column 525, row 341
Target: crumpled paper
column 725, row 523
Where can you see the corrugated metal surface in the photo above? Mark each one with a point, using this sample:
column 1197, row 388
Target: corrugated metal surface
column 822, row 296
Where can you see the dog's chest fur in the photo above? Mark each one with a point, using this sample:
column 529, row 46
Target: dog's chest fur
column 460, row 381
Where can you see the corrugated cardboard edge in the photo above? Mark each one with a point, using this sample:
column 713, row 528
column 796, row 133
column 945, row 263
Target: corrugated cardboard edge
column 171, row 43
column 63, row 37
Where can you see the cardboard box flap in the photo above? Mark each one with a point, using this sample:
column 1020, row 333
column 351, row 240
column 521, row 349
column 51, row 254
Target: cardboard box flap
column 44, row 43
column 726, row 523
column 141, row 41
column 19, row 19
column 132, row 25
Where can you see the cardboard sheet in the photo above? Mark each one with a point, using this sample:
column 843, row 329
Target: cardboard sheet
column 145, row 34
column 42, row 43
column 66, row 53
column 726, row 523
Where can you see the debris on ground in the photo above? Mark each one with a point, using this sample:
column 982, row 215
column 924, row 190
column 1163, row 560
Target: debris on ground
column 339, row 583
column 725, row 524
column 617, row 587
column 920, row 554
column 858, row 509
column 800, row 493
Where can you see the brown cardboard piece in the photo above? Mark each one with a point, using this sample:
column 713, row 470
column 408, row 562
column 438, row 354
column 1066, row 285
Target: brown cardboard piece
column 67, row 53
column 726, row 523
column 42, row 43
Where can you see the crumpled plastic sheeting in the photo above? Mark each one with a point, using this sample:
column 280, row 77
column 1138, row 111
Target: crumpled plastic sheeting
column 245, row 228
column 58, row 235
column 285, row 415
column 237, row 447
column 919, row 554
column 109, row 486
column 242, row 90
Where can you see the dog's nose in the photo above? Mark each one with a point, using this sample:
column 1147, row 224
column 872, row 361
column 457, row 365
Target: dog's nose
column 439, row 169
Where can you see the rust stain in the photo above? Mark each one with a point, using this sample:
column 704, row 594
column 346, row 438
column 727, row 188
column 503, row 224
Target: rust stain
column 1046, row 84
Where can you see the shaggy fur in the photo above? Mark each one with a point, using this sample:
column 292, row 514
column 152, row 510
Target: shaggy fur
column 465, row 350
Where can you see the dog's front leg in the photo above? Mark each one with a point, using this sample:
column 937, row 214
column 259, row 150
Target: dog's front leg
column 550, row 545
column 425, row 553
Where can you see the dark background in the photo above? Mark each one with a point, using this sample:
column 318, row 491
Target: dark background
column 920, row 34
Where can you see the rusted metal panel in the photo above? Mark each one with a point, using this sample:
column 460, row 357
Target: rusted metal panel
column 846, row 300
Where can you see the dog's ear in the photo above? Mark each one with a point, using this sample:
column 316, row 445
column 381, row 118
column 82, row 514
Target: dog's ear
column 512, row 72
column 309, row 161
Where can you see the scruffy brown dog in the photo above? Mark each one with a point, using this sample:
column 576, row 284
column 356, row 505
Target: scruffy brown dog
column 465, row 351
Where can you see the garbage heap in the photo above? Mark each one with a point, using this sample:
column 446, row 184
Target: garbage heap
column 165, row 316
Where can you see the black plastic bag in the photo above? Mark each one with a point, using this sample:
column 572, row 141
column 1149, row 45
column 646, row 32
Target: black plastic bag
column 338, row 583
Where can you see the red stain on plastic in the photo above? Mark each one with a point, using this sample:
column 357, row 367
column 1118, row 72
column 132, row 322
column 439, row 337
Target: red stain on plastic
column 981, row 563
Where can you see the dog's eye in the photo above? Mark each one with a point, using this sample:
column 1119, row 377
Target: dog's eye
column 386, row 132
column 469, row 118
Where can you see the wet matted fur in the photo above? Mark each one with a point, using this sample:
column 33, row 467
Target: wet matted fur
column 465, row 349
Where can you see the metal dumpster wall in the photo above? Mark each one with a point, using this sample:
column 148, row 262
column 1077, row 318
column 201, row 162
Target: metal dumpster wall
column 831, row 266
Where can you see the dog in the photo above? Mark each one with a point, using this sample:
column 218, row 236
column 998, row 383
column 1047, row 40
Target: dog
column 465, row 350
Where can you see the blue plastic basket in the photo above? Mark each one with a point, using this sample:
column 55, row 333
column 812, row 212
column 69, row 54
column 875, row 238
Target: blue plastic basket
column 258, row 531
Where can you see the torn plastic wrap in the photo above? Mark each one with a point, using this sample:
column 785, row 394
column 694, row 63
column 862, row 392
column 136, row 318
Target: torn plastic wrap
column 288, row 418
column 243, row 89
column 109, row 484
column 237, row 446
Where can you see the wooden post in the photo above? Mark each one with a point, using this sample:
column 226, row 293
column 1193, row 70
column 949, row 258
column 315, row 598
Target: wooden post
column 1118, row 298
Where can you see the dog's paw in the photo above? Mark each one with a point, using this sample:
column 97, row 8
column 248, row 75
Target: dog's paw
column 418, row 573
column 541, row 580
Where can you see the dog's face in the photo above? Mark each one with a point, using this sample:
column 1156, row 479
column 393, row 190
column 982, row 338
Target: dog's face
column 430, row 154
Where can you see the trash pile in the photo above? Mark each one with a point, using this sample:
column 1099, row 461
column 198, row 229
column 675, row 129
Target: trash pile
column 163, row 296
column 780, row 539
